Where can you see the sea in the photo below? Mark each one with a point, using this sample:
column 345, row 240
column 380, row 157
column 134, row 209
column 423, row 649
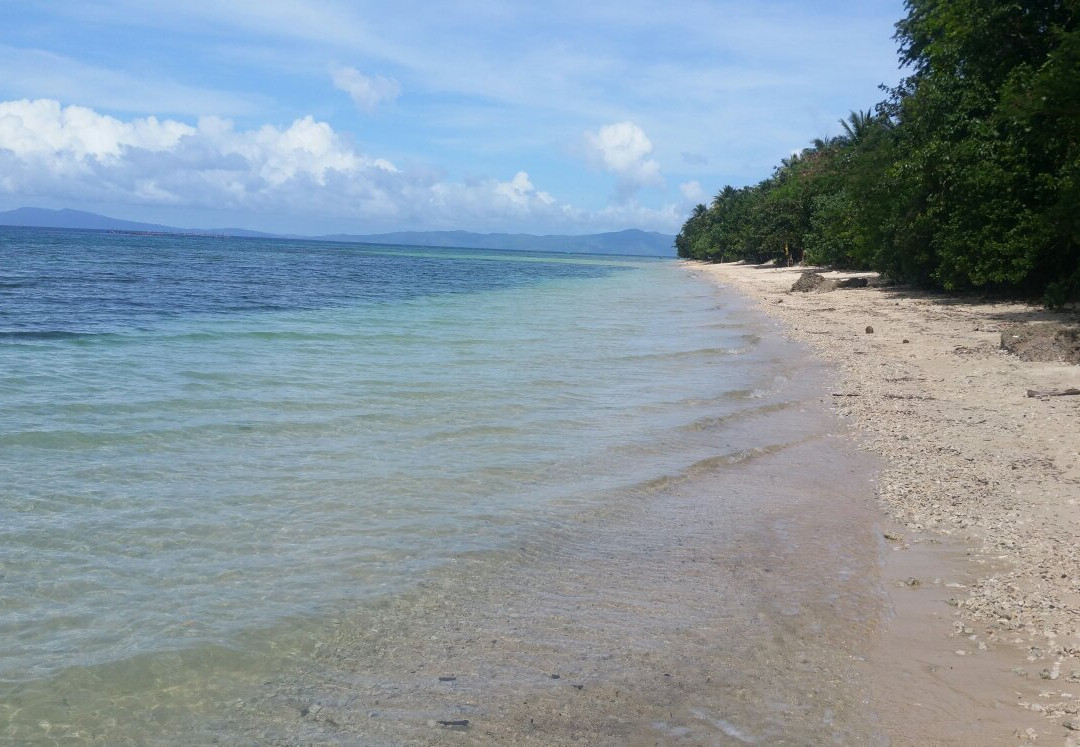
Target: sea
column 276, row 491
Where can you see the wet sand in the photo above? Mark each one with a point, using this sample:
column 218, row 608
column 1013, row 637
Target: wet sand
column 980, row 483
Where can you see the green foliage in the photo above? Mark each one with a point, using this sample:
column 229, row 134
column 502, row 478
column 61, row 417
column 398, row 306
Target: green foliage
column 967, row 176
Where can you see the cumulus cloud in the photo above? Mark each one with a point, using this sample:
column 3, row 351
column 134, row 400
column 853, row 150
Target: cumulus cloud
column 74, row 152
column 368, row 91
column 623, row 149
column 692, row 191
column 73, row 155
column 520, row 191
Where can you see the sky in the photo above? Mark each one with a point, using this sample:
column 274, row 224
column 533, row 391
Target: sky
column 335, row 116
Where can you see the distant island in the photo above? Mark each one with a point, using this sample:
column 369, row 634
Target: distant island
column 629, row 242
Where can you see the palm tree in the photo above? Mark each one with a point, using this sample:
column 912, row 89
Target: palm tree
column 857, row 125
column 724, row 197
column 787, row 163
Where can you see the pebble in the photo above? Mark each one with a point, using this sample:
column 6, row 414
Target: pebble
column 869, row 330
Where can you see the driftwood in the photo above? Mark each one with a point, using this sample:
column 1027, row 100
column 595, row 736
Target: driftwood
column 1052, row 393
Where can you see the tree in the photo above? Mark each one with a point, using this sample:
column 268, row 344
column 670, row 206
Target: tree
column 966, row 176
column 857, row 125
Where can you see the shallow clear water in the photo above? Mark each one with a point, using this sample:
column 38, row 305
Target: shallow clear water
column 212, row 449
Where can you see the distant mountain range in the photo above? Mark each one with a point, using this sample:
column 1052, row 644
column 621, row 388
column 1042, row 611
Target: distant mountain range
column 44, row 218
column 628, row 242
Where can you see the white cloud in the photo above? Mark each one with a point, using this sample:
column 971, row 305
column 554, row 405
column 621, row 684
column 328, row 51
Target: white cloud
column 692, row 191
column 305, row 174
column 368, row 91
column 32, row 128
column 520, row 191
column 623, row 149
column 74, row 152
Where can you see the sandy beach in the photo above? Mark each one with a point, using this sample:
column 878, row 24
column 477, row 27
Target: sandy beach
column 980, row 484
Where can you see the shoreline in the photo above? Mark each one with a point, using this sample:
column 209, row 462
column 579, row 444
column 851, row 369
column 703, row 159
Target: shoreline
column 728, row 601
column 981, row 487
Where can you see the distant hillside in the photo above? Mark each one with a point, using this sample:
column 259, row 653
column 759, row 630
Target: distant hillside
column 45, row 218
column 631, row 241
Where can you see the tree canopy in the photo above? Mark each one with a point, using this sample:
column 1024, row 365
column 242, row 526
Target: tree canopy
column 966, row 176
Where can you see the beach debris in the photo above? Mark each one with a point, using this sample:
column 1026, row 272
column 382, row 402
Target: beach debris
column 812, row 281
column 913, row 582
column 869, row 330
column 1046, row 342
column 454, row 723
column 555, row 677
column 845, row 394
column 906, row 341
column 447, row 678
column 894, row 536
column 1052, row 392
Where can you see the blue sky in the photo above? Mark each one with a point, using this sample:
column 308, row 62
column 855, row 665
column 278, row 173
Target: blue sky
column 330, row 116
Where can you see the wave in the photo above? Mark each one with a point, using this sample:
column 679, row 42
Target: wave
column 44, row 334
column 713, row 464
column 713, row 422
column 752, row 341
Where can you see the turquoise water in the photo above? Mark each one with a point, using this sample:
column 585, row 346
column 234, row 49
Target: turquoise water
column 208, row 445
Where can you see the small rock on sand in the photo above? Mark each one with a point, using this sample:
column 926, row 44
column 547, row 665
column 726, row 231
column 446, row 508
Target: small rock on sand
column 852, row 283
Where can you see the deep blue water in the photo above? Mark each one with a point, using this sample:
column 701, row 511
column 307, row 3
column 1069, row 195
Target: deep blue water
column 56, row 283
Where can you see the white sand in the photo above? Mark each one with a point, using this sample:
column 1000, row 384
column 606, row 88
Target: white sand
column 981, row 482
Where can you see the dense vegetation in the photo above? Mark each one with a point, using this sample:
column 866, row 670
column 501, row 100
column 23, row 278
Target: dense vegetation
column 966, row 176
